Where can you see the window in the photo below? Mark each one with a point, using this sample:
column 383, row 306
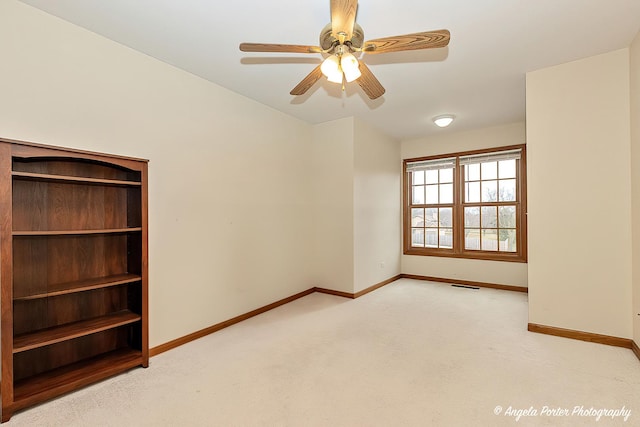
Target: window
column 469, row 205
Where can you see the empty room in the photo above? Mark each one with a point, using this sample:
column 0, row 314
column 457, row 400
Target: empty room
column 321, row 213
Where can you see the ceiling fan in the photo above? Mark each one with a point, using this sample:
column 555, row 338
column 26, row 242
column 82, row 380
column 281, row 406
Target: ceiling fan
column 340, row 39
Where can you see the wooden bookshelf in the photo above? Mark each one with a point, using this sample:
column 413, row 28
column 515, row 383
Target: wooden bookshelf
column 73, row 270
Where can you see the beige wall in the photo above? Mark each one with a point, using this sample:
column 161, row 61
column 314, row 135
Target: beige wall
column 229, row 198
column 635, row 179
column 377, row 207
column 579, row 186
column 357, row 208
column 505, row 273
column 332, row 216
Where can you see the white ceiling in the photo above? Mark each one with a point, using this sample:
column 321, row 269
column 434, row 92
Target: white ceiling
column 479, row 77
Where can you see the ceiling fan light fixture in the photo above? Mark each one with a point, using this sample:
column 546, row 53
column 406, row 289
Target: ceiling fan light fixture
column 340, row 39
column 331, row 69
column 443, row 120
column 350, row 67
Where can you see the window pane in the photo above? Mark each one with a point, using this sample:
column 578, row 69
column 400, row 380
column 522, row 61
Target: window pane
column 472, row 217
column 418, row 177
column 489, row 191
column 507, row 217
column 432, row 177
column 489, row 217
column 508, row 240
column 431, row 238
column 489, row 170
column 432, row 195
column 446, row 217
column 472, row 239
column 446, row 238
column 489, row 241
column 417, row 237
column 431, row 217
column 507, row 168
column 446, row 175
column 418, row 195
column 417, row 217
column 507, row 190
column 472, row 190
column 446, row 193
column 472, row 172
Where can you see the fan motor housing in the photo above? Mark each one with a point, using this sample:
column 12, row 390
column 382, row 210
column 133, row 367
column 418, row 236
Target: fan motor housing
column 327, row 40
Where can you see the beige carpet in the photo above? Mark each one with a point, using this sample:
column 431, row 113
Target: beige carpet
column 410, row 354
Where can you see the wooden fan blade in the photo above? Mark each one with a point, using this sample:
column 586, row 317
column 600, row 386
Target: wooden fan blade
column 287, row 48
column 343, row 17
column 415, row 41
column 307, row 82
column 369, row 83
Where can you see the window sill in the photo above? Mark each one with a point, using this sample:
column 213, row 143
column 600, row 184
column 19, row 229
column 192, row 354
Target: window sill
column 479, row 255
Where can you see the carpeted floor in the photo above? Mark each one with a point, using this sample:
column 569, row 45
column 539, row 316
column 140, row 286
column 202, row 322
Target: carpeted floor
column 409, row 354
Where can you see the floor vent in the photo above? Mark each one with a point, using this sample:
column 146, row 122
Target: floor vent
column 466, row 287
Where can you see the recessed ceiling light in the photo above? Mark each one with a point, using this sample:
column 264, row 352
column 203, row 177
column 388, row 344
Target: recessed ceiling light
column 443, row 120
